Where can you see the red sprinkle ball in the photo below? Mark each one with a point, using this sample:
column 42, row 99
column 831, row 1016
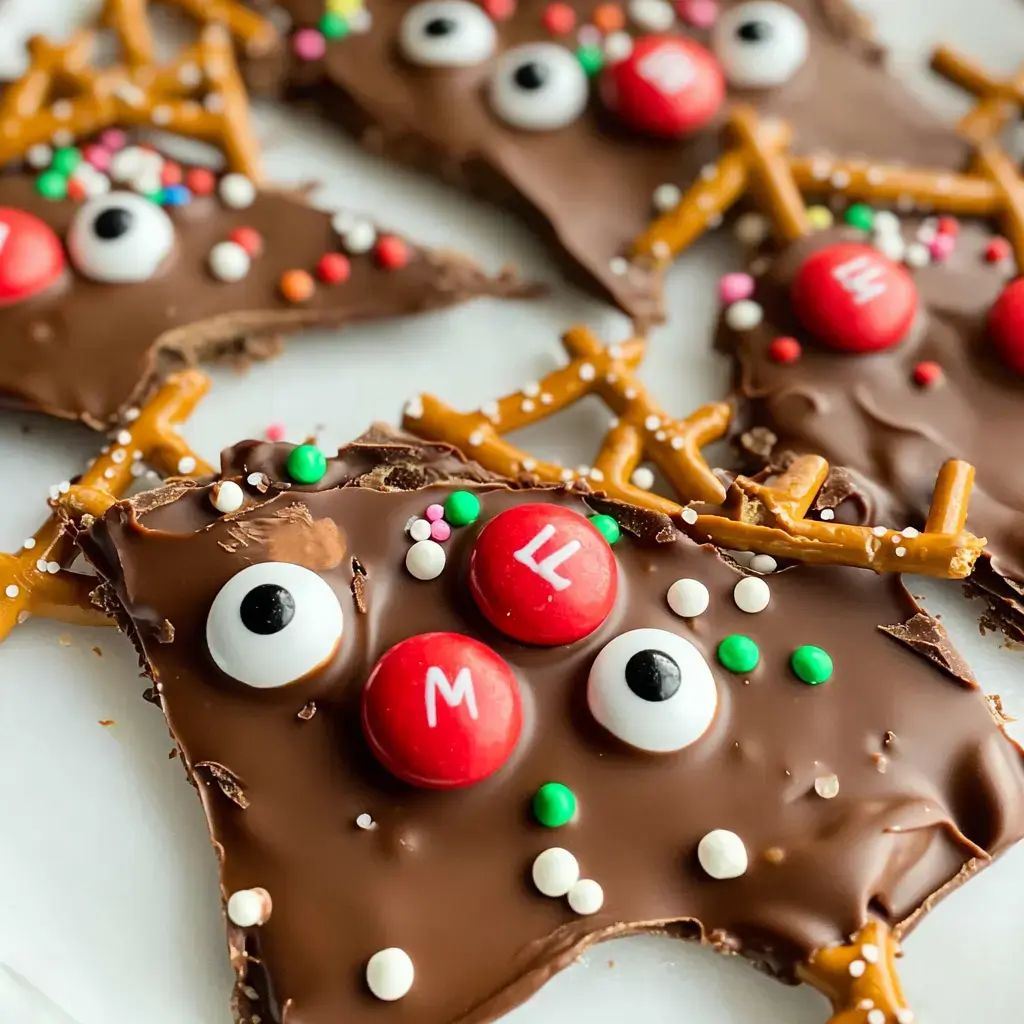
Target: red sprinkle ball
column 998, row 250
column 392, row 252
column 76, row 190
column 500, row 10
column 559, row 19
column 948, row 226
column 275, row 432
column 333, row 268
column 200, row 181
column 171, row 174
column 784, row 350
column 249, row 239
column 927, row 373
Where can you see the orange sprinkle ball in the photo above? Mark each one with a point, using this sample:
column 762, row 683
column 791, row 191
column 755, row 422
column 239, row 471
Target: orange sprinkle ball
column 609, row 18
column 296, row 286
column 392, row 252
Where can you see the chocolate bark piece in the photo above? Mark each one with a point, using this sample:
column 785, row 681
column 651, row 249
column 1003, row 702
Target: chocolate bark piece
column 586, row 184
column 341, row 860
column 892, row 416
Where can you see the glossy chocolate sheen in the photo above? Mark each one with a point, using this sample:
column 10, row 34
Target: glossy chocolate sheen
column 866, row 413
column 89, row 350
column 587, row 188
column 929, row 785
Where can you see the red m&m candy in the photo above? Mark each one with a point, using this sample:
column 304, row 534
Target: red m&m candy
column 1006, row 325
column 668, row 86
column 442, row 711
column 31, row 256
column 851, row 298
column 542, row 574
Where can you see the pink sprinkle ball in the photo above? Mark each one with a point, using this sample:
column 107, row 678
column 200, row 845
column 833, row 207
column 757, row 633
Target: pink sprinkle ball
column 113, row 139
column 735, row 287
column 941, row 247
column 98, row 157
column 699, row 13
column 275, row 432
column 434, row 513
column 309, row 44
column 440, row 531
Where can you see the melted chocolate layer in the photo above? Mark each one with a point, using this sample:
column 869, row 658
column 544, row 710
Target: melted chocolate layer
column 929, row 785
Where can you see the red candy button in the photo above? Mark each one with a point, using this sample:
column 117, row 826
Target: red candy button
column 850, row 297
column 543, row 575
column 668, row 86
column 1006, row 325
column 31, row 256
column 442, row 711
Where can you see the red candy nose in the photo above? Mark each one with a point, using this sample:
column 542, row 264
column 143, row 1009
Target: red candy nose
column 543, row 575
column 668, row 86
column 442, row 711
column 31, row 256
column 851, row 298
column 1006, row 326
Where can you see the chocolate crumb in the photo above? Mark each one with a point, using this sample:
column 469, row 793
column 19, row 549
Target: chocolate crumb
column 881, row 763
column 889, row 738
column 775, row 855
column 229, row 783
column 172, row 754
column 359, row 585
column 105, row 722
column 149, row 695
column 166, row 634
column 308, row 711
column 64, row 640
column 98, row 651
column 995, row 705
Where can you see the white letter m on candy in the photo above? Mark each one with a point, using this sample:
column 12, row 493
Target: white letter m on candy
column 547, row 568
column 453, row 695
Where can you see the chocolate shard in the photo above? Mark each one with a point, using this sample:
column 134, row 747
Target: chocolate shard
column 926, row 636
column 216, row 774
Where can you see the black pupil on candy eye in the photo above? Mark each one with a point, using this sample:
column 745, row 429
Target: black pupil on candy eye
column 113, row 223
column 267, row 609
column 653, row 675
column 531, row 76
column 440, row 27
column 754, row 31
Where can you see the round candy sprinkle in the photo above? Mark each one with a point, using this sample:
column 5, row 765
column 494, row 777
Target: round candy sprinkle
column 559, row 19
column 763, row 563
column 175, row 195
column 886, row 222
column 425, row 560
column 618, row 46
column 998, row 250
column 333, row 268
column 359, row 237
column 461, row 508
column 228, row 262
column 392, row 253
column 171, row 174
column 52, row 185
column 309, row 44
column 609, row 17
column 390, row 974
column 248, row 908
column 591, row 59
column 586, row 897
column 113, row 139
column 860, row 216
column 249, row 239
column 948, row 226
column 333, row 26
column 226, row 496
column 434, row 512
column 643, row 477
column 419, row 529
column 236, row 191
column 688, row 598
column 554, row 804
column 751, row 594
column 811, row 664
column 917, row 255
column 820, row 218
column 827, row 786
column 66, row 159
column 891, row 246
column 39, row 156
column 440, row 531
column 784, row 350
column 666, row 197
column 722, row 854
column 734, row 287
column 200, row 181
column 698, row 13
column 941, row 247
column 927, row 373
column 744, row 315
column 275, row 431
column 751, row 229
column 738, row 653
column 607, row 527
column 306, row 464
column 296, row 286
column 555, row 872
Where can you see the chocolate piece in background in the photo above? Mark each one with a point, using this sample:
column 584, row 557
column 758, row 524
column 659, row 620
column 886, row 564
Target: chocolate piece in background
column 498, row 107
column 856, row 802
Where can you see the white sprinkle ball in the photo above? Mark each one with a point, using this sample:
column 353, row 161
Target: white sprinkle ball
column 186, row 464
column 763, row 563
column 425, row 560
column 857, row 968
column 360, row 21
column 689, row 516
column 419, row 529
column 886, row 222
column 359, row 238
column 722, row 854
column 555, row 872
column 12, row 590
column 53, row 568
column 876, row 1016
column 917, row 255
column 752, row 594
column 249, row 907
column 828, row 514
column 126, row 163
column 643, row 478
column 227, row 496
column 39, row 156
column 365, row 822
column 618, row 265
column 751, row 229
column 390, row 973
column 666, row 197
column 586, row 897
column 827, row 786
column 41, row 565
column 414, row 408
column 744, row 315
column 254, row 479
column 891, row 247
column 228, row 261
column 869, row 951
column 688, row 598
column 29, row 543
column 652, row 15
column 236, row 191
column 904, row 1015
column 618, row 46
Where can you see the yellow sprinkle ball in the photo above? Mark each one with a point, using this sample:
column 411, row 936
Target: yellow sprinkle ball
column 820, row 217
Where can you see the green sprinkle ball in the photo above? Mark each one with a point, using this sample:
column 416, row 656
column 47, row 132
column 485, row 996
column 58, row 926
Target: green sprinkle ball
column 66, row 159
column 554, row 804
column 591, row 59
column 811, row 664
column 738, row 653
column 860, row 216
column 333, row 26
column 52, row 185
column 607, row 527
column 307, row 464
column 461, row 508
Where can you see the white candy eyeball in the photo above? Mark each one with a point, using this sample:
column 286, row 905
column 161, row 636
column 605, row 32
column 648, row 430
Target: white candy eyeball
column 120, row 238
column 653, row 690
column 447, row 34
column 273, row 623
column 540, row 87
column 760, row 44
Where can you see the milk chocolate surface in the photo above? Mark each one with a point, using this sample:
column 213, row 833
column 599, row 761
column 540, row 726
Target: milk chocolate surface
column 587, row 187
column 929, row 786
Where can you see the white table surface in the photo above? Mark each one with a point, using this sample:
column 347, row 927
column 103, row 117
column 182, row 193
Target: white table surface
column 109, row 910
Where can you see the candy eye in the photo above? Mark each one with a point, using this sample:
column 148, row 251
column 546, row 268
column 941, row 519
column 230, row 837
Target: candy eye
column 760, row 44
column 653, row 690
column 539, row 87
column 272, row 624
column 120, row 238
column 447, row 34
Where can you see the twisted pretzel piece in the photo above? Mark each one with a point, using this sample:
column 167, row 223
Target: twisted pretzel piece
column 752, row 516
column 36, row 580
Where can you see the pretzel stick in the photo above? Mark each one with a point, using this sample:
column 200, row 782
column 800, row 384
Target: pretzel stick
column 1000, row 100
column 998, row 166
column 36, row 581
column 860, row 977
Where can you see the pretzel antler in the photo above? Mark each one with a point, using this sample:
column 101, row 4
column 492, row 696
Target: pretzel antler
column 36, row 581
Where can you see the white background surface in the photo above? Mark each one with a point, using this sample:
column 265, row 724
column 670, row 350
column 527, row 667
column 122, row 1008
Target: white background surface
column 108, row 895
